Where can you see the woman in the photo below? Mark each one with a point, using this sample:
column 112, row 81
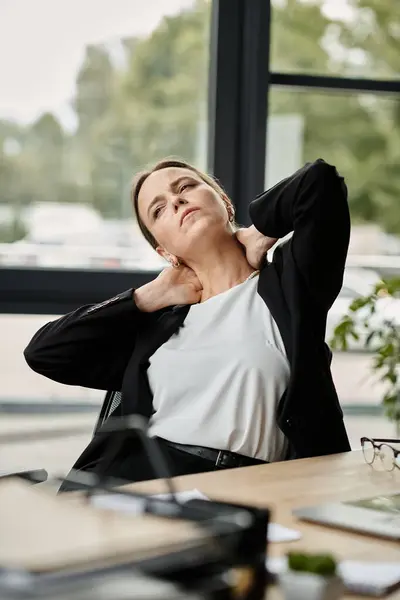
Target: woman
column 223, row 351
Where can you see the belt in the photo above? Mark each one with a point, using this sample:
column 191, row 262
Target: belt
column 222, row 459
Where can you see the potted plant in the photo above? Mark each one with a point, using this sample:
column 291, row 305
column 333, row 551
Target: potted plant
column 311, row 576
column 381, row 336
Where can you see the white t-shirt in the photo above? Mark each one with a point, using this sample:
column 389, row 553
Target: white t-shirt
column 217, row 381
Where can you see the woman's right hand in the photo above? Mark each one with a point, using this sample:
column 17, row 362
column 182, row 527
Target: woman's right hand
column 171, row 287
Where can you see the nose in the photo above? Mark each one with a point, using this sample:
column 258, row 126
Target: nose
column 178, row 201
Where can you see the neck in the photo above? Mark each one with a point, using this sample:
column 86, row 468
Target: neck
column 220, row 267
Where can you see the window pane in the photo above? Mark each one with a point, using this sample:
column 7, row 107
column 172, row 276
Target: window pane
column 51, row 423
column 105, row 90
column 347, row 293
column 358, row 134
column 354, row 38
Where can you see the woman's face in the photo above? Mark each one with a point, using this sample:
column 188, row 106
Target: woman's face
column 180, row 210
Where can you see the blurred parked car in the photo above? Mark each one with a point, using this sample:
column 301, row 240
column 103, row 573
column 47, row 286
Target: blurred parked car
column 65, row 256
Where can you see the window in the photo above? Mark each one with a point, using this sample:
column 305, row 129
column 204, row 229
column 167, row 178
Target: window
column 347, row 293
column 358, row 133
column 93, row 91
column 358, row 38
column 104, row 90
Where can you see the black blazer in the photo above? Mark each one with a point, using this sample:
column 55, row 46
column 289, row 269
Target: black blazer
column 108, row 345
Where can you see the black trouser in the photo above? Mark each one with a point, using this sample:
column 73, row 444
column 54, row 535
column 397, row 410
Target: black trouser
column 132, row 464
column 136, row 466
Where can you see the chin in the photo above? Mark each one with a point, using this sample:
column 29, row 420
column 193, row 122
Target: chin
column 204, row 231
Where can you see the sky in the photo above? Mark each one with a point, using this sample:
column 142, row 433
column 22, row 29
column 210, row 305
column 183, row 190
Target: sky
column 42, row 45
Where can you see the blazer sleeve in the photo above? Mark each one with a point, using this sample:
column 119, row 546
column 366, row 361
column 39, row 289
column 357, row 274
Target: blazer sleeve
column 313, row 204
column 89, row 347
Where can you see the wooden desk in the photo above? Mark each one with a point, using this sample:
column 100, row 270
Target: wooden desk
column 284, row 486
column 44, row 533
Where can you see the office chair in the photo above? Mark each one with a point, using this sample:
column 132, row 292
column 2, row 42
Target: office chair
column 112, row 401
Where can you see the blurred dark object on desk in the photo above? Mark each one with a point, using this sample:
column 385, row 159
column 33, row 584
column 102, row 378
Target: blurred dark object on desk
column 122, row 585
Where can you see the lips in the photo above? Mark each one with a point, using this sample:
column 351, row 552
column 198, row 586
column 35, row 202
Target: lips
column 187, row 212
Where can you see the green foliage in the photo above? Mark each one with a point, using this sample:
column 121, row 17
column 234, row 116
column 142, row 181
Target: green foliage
column 383, row 340
column 359, row 133
column 12, row 232
column 153, row 104
column 318, row 564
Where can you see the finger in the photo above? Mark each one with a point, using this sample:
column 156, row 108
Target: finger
column 239, row 233
column 242, row 236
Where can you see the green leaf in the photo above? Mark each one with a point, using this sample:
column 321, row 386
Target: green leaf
column 319, row 564
column 359, row 303
column 386, row 350
column 298, row 561
column 370, row 337
column 324, row 565
column 390, row 399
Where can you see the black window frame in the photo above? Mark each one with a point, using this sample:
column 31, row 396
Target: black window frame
column 239, row 82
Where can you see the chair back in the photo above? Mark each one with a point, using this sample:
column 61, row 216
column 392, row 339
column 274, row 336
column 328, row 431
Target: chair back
column 111, row 403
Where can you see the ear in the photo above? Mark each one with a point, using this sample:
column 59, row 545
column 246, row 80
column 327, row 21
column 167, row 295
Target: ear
column 229, row 207
column 173, row 260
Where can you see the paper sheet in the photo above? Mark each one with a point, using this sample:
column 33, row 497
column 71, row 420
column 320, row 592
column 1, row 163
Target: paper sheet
column 279, row 533
column 369, row 577
column 135, row 506
column 360, row 577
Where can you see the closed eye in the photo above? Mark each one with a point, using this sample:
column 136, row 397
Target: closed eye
column 157, row 211
column 184, row 186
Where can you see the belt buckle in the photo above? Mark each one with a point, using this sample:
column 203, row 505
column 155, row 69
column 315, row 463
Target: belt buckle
column 218, row 462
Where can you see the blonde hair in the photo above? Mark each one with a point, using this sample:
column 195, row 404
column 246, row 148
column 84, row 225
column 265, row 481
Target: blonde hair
column 165, row 164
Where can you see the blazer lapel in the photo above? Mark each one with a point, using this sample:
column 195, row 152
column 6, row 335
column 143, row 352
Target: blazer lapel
column 136, row 394
column 270, row 290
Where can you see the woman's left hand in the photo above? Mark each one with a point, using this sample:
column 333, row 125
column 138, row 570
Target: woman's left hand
column 255, row 244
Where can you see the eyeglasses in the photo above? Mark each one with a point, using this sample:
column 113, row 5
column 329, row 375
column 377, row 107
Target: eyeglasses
column 382, row 448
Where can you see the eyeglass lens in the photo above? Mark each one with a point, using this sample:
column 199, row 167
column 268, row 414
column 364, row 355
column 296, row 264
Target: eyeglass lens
column 386, row 454
column 368, row 451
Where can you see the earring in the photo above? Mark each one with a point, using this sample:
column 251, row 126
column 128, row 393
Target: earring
column 176, row 264
column 229, row 208
column 231, row 212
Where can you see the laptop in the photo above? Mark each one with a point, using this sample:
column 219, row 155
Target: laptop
column 378, row 516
